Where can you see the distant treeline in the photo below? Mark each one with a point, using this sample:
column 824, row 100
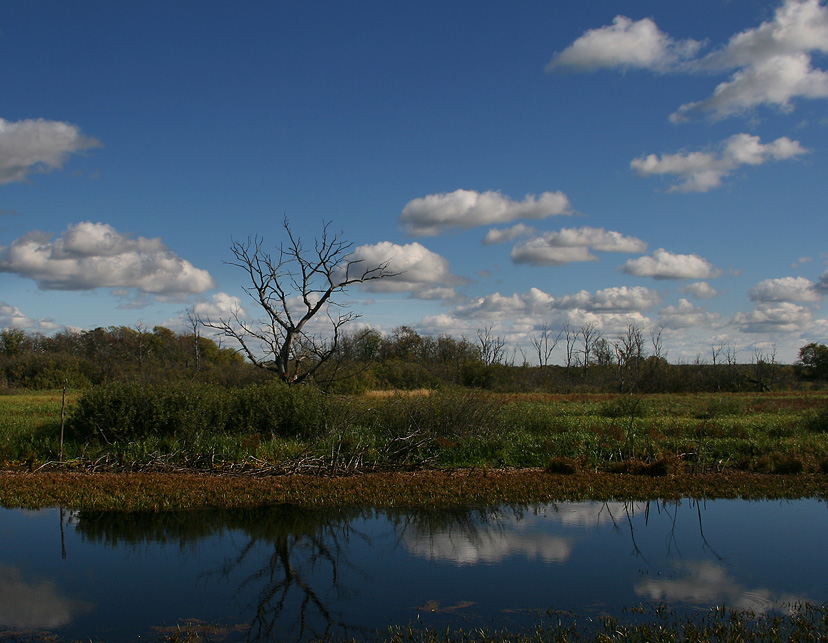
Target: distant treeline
column 117, row 353
column 404, row 359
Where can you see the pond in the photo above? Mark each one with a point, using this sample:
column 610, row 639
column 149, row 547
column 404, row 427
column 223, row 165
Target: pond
column 286, row 573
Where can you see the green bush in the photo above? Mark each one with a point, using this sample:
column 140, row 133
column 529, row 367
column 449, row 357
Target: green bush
column 279, row 410
column 130, row 410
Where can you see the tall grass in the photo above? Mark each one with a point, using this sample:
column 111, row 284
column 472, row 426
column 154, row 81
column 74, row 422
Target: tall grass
column 273, row 424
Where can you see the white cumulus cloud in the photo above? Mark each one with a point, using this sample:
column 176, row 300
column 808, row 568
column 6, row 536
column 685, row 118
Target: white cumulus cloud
column 624, row 44
column 798, row 289
column 772, row 316
column 423, row 273
column 772, row 62
column 13, row 317
column 534, row 302
column 434, row 214
column 615, row 299
column 700, row 289
column 701, row 171
column 573, row 244
column 667, row 265
column 37, row 145
column 686, row 315
column 92, row 255
column 219, row 306
column 498, row 235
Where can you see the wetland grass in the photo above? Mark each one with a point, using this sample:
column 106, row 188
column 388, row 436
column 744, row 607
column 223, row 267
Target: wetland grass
column 467, row 446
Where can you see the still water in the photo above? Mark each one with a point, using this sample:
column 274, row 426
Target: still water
column 284, row 573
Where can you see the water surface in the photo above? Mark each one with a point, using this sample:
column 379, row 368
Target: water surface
column 284, row 573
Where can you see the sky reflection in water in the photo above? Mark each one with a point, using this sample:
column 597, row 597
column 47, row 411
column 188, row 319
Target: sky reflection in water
column 284, row 573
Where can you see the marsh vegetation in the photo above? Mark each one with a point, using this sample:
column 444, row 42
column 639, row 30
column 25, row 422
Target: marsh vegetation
column 274, row 428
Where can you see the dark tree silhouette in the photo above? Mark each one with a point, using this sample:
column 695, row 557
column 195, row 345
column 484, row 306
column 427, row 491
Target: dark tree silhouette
column 292, row 287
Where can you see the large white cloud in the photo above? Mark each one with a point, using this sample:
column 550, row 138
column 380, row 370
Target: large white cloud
column 92, row 255
column 667, row 265
column 797, row 25
column 37, row 145
column 774, row 317
column 775, row 81
column 573, row 244
column 701, row 171
column 423, row 273
column 434, row 214
column 798, row 289
column 624, row 44
column 773, row 63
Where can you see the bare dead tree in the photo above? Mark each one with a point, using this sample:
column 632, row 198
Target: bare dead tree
column 659, row 352
column 292, row 287
column 589, row 334
column 544, row 344
column 194, row 323
column 571, row 335
column 629, row 349
column 492, row 347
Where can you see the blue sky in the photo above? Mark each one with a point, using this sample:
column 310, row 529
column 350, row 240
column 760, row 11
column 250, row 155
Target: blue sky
column 522, row 164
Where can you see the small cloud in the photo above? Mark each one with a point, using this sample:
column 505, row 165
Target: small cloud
column 701, row 171
column 495, row 235
column 434, row 214
column 667, row 265
column 700, row 289
column 219, row 306
column 625, row 44
column 38, row 145
column 686, row 315
column 423, row 273
column 13, row 317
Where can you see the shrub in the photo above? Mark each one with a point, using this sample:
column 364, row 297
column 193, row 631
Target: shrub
column 130, row 410
column 280, row 410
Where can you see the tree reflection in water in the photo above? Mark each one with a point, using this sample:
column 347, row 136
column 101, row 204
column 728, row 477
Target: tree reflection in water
column 299, row 583
column 297, row 571
column 291, row 589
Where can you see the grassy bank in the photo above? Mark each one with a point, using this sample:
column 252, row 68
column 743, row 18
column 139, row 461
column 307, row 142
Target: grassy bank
column 577, row 447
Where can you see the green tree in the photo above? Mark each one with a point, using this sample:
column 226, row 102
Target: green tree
column 813, row 358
